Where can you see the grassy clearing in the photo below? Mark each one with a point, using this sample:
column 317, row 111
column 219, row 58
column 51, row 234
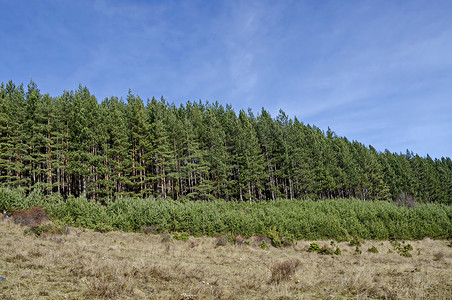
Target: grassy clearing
column 83, row 264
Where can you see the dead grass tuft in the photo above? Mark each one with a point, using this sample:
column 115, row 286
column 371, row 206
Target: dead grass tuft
column 285, row 270
column 16, row 258
column 239, row 240
column 221, row 241
column 157, row 272
column 439, row 256
column 260, row 238
column 6, row 296
column 166, row 238
column 35, row 252
column 108, row 286
column 185, row 296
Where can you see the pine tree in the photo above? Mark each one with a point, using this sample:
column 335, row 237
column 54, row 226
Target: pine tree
column 299, row 157
column 5, row 138
column 15, row 143
column 216, row 154
column 175, row 130
column 266, row 133
column 161, row 153
column 230, row 125
column 138, row 129
column 249, row 160
column 118, row 146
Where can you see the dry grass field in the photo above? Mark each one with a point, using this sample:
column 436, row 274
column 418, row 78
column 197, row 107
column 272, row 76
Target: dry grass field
column 89, row 265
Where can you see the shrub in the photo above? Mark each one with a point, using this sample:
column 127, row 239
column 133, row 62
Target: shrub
column 11, row 199
column 313, row 247
column 183, row 236
column 284, row 271
column 357, row 251
column 273, row 235
column 403, row 250
column 288, row 240
column 372, row 249
column 406, row 254
column 264, row 245
column 101, row 227
column 282, row 221
column 30, row 217
column 356, row 242
column 325, row 250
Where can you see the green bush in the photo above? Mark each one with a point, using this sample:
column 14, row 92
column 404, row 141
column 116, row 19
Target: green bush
column 372, row 249
column 402, row 249
column 357, row 251
column 324, row 250
column 356, row 242
column 264, row 245
column 11, row 200
column 282, row 221
column 101, row 227
column 183, row 236
column 314, row 247
column 273, row 235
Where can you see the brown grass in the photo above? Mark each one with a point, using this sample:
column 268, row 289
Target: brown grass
column 285, row 270
column 117, row 265
column 30, row 217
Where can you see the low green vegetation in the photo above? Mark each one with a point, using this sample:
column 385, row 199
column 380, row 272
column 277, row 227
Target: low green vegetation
column 314, row 247
column 357, row 251
column 264, row 245
column 281, row 220
column 324, row 250
column 356, row 242
column 372, row 249
column 183, row 236
column 402, row 248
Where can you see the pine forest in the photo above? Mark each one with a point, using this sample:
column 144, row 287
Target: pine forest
column 75, row 145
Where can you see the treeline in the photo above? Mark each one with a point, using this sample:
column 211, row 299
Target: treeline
column 74, row 145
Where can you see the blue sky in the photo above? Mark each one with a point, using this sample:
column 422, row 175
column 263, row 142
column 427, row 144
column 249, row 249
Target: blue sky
column 379, row 72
